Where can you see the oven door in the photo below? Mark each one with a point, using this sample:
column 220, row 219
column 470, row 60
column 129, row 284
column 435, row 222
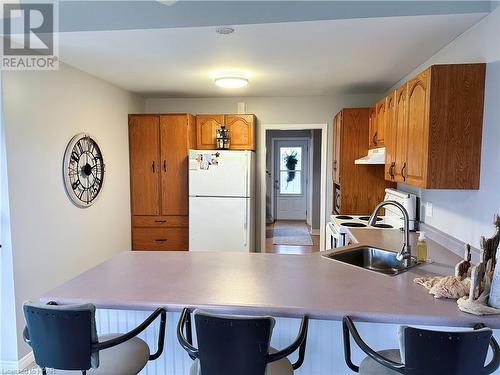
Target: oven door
column 334, row 239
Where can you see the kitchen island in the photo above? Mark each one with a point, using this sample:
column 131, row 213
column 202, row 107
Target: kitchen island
column 285, row 286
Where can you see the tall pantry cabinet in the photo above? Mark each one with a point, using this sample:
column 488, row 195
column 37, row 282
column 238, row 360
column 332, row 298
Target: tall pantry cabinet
column 159, row 146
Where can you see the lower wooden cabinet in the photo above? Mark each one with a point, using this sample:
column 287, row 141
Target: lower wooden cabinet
column 160, row 238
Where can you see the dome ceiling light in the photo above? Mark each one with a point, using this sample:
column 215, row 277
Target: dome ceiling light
column 231, row 80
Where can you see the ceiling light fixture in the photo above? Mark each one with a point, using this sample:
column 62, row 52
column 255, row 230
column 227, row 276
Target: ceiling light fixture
column 231, row 80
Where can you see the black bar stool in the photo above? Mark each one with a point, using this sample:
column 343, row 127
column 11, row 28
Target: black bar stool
column 64, row 337
column 229, row 345
column 427, row 352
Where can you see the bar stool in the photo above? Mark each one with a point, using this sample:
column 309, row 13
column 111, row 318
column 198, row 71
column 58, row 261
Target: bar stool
column 64, row 337
column 427, row 352
column 229, row 345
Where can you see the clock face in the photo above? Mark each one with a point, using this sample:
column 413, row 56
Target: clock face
column 83, row 170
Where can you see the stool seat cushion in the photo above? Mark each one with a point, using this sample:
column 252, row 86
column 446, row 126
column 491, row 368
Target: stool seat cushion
column 128, row 358
column 370, row 367
column 281, row 367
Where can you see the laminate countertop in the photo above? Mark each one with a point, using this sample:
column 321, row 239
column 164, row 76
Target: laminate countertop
column 273, row 284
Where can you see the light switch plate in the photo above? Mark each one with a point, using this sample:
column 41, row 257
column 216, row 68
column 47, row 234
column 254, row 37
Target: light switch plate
column 428, row 209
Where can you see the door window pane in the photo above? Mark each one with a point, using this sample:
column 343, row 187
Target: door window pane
column 294, row 152
column 290, row 182
column 291, row 170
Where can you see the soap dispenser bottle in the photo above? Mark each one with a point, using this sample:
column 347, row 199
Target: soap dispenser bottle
column 421, row 248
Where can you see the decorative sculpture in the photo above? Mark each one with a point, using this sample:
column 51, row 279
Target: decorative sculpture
column 476, row 288
column 481, row 277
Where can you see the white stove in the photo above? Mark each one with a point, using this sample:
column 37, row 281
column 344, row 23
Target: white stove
column 337, row 228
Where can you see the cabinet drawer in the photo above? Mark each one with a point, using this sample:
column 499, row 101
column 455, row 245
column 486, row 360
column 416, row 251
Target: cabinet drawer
column 160, row 221
column 159, row 239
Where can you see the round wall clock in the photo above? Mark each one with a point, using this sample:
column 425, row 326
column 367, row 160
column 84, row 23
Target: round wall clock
column 83, row 170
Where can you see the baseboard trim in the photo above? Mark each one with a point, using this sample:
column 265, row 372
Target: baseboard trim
column 19, row 365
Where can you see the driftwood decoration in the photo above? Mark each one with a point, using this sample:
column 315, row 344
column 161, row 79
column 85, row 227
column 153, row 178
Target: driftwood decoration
column 463, row 268
column 456, row 286
column 481, row 276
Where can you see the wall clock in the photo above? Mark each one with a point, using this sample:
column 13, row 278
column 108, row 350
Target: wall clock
column 83, row 170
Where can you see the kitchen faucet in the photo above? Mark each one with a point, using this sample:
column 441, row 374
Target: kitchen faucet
column 404, row 254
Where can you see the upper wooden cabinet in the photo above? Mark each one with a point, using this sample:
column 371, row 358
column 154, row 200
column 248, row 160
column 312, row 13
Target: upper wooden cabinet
column 206, row 130
column 400, row 135
column 390, row 137
column 377, row 124
column 437, row 130
column 380, row 121
column 372, row 128
column 159, row 147
column 241, row 131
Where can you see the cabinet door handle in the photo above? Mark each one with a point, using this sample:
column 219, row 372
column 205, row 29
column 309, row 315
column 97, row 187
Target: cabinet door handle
column 391, row 169
column 375, row 140
column 160, row 221
column 403, row 170
column 153, row 167
column 161, row 240
column 164, row 166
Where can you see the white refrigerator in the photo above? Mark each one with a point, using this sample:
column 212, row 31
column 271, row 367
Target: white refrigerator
column 221, row 200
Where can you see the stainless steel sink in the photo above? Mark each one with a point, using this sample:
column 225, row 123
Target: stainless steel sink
column 371, row 258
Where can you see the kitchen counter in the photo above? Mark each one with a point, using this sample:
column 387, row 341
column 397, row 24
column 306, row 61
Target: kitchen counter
column 278, row 285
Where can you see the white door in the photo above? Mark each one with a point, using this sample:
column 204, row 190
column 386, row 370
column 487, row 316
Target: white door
column 290, row 179
column 219, row 224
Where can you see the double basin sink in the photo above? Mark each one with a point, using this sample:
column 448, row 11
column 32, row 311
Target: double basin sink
column 371, row 258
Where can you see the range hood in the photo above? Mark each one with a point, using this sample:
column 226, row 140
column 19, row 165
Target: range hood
column 375, row 156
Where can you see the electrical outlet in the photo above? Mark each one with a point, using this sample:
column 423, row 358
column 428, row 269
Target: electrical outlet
column 428, row 209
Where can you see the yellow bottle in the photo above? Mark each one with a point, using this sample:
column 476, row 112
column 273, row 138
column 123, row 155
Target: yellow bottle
column 421, row 248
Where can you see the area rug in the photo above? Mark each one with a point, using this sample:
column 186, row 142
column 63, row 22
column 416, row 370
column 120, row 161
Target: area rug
column 294, row 233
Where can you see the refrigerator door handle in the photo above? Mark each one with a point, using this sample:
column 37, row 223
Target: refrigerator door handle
column 245, row 224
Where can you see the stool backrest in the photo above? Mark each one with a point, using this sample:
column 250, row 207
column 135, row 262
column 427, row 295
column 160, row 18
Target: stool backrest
column 437, row 353
column 229, row 345
column 62, row 336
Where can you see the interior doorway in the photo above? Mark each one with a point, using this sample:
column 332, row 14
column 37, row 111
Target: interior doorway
column 295, row 178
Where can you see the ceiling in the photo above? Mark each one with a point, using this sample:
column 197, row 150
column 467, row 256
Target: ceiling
column 325, row 57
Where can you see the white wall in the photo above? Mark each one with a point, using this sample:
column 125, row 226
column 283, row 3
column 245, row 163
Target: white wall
column 467, row 215
column 272, row 110
column 8, row 349
column 53, row 240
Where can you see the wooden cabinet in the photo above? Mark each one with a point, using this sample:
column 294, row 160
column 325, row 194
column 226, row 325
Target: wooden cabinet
column 337, row 121
column 438, row 119
column 361, row 186
column 159, row 147
column 372, row 128
column 206, row 130
column 401, row 134
column 241, row 131
column 144, row 146
column 414, row 170
column 376, row 133
column 380, row 121
column 390, row 137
